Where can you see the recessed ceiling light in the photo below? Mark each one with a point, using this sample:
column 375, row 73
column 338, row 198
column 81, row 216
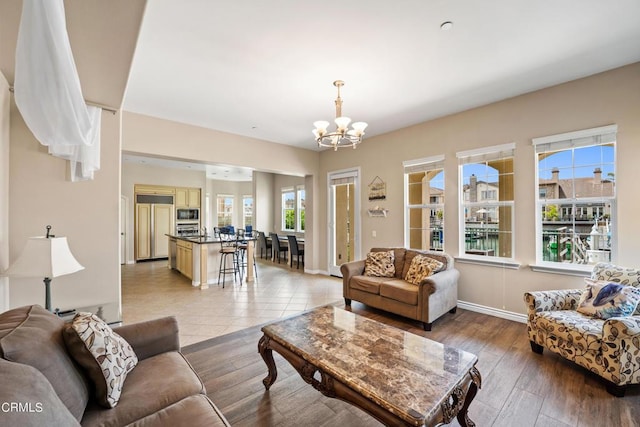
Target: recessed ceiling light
column 447, row 25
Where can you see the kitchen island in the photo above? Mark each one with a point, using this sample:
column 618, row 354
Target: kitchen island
column 198, row 258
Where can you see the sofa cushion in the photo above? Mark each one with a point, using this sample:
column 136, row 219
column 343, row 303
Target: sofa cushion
column 105, row 355
column 39, row 404
column 398, row 259
column 367, row 284
column 196, row 410
column 603, row 299
column 33, row 336
column 379, row 264
column 584, row 332
column 614, row 273
column 400, row 290
column 154, row 384
column 421, row 267
column 410, row 254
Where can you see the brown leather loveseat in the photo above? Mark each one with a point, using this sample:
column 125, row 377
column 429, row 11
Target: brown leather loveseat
column 425, row 302
column 41, row 384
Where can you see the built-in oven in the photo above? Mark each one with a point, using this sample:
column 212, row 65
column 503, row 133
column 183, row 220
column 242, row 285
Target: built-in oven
column 191, row 214
column 187, row 229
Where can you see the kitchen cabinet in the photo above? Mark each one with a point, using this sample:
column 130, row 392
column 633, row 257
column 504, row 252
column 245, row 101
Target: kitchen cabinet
column 153, row 189
column 184, row 258
column 187, row 197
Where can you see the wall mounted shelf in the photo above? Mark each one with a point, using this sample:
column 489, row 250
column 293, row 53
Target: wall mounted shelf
column 378, row 212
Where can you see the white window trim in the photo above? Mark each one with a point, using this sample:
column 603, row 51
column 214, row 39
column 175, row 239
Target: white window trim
column 575, row 139
column 298, row 210
column 233, row 202
column 244, row 197
column 417, row 165
column 472, row 156
column 283, row 224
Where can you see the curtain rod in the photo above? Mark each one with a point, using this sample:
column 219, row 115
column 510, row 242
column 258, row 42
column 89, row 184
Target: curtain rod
column 93, row 104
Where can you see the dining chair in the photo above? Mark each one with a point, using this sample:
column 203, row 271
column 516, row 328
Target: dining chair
column 277, row 247
column 295, row 251
column 265, row 246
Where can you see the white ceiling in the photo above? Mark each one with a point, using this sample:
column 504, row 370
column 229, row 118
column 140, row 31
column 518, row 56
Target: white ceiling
column 265, row 69
column 219, row 172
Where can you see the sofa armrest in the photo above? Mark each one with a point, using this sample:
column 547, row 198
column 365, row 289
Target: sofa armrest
column 564, row 299
column 348, row 270
column 151, row 337
column 441, row 280
column 620, row 349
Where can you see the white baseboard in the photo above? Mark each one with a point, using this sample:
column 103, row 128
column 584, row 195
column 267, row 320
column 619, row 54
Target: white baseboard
column 509, row 315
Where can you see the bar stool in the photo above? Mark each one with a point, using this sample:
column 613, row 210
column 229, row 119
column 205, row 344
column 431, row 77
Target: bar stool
column 229, row 248
column 243, row 246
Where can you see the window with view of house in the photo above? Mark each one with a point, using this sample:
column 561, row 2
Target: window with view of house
column 247, row 210
column 576, row 201
column 424, row 203
column 225, row 210
column 487, row 201
column 288, row 209
column 300, row 208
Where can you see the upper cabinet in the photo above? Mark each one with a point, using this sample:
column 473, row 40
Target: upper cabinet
column 187, row 197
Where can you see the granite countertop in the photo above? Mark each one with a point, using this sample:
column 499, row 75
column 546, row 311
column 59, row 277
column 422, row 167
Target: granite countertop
column 204, row 240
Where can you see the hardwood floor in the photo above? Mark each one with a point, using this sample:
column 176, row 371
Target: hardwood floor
column 519, row 388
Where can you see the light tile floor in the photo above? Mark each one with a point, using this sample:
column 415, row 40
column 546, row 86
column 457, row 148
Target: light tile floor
column 151, row 290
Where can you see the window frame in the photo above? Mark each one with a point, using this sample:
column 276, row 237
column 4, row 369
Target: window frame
column 426, row 164
column 300, row 210
column 244, row 210
column 284, row 191
column 230, row 215
column 570, row 141
column 477, row 156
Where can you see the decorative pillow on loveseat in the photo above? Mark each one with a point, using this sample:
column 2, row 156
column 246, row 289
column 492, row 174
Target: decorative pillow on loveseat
column 603, row 299
column 421, row 267
column 105, row 355
column 379, row 264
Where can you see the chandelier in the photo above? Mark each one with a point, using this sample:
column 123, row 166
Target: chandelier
column 342, row 136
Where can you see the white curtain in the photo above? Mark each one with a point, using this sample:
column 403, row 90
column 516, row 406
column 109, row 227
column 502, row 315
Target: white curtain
column 47, row 89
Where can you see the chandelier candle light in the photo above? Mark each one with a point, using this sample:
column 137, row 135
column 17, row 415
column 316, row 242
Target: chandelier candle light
column 342, row 136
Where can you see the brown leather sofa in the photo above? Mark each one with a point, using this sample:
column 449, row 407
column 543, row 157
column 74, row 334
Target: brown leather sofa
column 42, row 385
column 425, row 302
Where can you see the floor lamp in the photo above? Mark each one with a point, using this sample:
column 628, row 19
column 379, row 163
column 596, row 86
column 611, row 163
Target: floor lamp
column 47, row 257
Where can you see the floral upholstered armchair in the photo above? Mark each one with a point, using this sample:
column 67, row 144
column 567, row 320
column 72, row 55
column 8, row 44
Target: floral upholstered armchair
column 609, row 347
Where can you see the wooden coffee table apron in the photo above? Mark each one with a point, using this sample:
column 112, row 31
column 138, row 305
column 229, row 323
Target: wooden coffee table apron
column 396, row 376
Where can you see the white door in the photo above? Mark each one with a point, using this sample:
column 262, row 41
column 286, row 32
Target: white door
column 162, row 225
column 344, row 219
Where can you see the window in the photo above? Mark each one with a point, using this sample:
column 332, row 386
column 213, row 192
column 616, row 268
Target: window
column 247, row 210
column 424, row 203
column 575, row 219
column 288, row 209
column 225, row 210
column 300, row 208
column 487, row 205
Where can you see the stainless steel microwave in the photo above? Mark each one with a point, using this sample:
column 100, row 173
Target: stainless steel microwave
column 192, row 214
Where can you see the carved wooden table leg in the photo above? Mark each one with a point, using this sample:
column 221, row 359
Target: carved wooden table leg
column 267, row 356
column 463, row 416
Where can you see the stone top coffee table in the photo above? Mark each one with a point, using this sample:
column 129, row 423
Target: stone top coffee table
column 398, row 377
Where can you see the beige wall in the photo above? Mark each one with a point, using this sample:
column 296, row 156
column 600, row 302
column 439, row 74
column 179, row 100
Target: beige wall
column 263, row 201
column 5, row 102
column 136, row 173
column 607, row 98
column 150, row 135
column 85, row 212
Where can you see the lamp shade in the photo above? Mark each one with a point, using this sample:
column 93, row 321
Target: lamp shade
column 44, row 257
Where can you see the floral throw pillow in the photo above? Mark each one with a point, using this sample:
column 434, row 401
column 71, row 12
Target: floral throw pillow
column 603, row 299
column 380, row 264
column 105, row 355
column 421, row 267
